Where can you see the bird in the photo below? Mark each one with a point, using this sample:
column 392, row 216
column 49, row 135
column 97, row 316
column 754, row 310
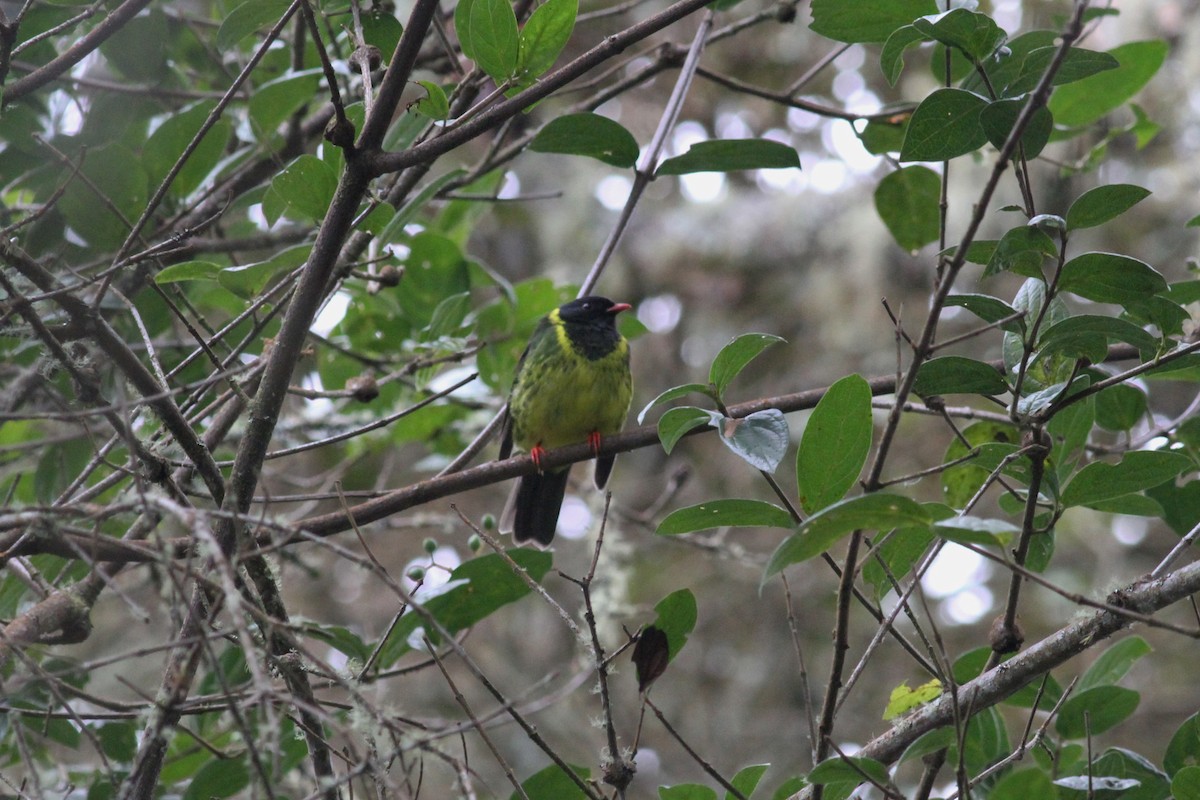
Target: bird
column 572, row 385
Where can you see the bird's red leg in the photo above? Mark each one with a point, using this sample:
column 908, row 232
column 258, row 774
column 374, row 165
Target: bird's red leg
column 537, row 453
column 594, row 441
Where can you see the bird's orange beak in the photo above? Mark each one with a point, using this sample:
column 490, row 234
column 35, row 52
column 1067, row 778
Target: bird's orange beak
column 617, row 308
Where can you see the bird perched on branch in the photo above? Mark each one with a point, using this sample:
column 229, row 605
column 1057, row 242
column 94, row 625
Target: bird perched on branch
column 572, row 385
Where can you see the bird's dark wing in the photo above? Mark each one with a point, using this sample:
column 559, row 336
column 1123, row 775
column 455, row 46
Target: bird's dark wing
column 506, row 427
column 506, row 442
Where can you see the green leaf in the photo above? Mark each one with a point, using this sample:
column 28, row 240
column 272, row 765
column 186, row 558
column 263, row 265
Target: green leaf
column 866, row 20
column 885, row 135
column 1185, row 785
column 274, row 101
column 746, row 780
column 1022, row 250
column 760, row 439
column 849, row 769
column 789, row 787
column 57, row 466
column 677, row 619
column 1088, row 336
column 220, row 777
column 974, row 530
column 1110, row 278
column 188, row 271
column 434, row 104
column 476, row 589
column 1095, row 710
column 1184, row 747
column 247, row 281
column 686, row 791
column 907, row 202
column 1083, row 102
column 495, row 42
column 307, row 186
column 462, row 26
column 434, row 270
column 678, row 422
column 725, row 513
column 1118, row 763
column 945, row 125
column 970, row 32
column 1138, row 470
column 1113, row 663
column 999, row 118
column 835, row 444
column 174, row 136
column 903, row 698
column 931, row 742
column 734, row 357
column 552, row 783
column 394, row 231
column 958, row 375
column 1076, row 65
column 876, row 512
column 590, row 135
column 118, row 740
column 671, row 394
column 341, row 639
column 116, row 172
column 985, row 742
column 989, row 309
column 730, row 155
column 247, row 18
column 899, row 553
column 995, row 441
column 544, row 36
column 1099, row 205
column 891, row 59
column 1023, row 784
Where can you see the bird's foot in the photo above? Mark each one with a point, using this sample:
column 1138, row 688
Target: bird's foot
column 537, row 453
column 594, row 441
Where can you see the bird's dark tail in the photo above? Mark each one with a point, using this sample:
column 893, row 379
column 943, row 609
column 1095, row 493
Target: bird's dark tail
column 531, row 513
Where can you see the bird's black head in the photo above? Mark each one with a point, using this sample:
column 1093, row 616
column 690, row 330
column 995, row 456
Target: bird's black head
column 590, row 309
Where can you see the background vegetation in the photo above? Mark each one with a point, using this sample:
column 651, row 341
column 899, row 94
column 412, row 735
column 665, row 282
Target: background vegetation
column 266, row 269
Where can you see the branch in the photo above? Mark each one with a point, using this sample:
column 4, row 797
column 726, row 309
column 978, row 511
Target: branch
column 74, row 54
column 381, row 163
column 993, row 686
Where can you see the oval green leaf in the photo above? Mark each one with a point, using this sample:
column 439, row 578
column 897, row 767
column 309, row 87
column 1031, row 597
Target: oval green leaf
column 866, row 20
column 494, row 38
column 590, row 135
column 835, row 444
column 875, row 512
column 731, row 155
column 945, row 125
column 676, row 618
column 1095, row 711
column 676, row 423
column 999, row 118
column 958, row 375
column 544, row 36
column 1099, row 205
column 722, row 514
column 1114, row 663
column 671, row 394
column 734, row 357
column 1083, row 102
column 1139, row 470
column 1110, row 278
column 907, row 202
